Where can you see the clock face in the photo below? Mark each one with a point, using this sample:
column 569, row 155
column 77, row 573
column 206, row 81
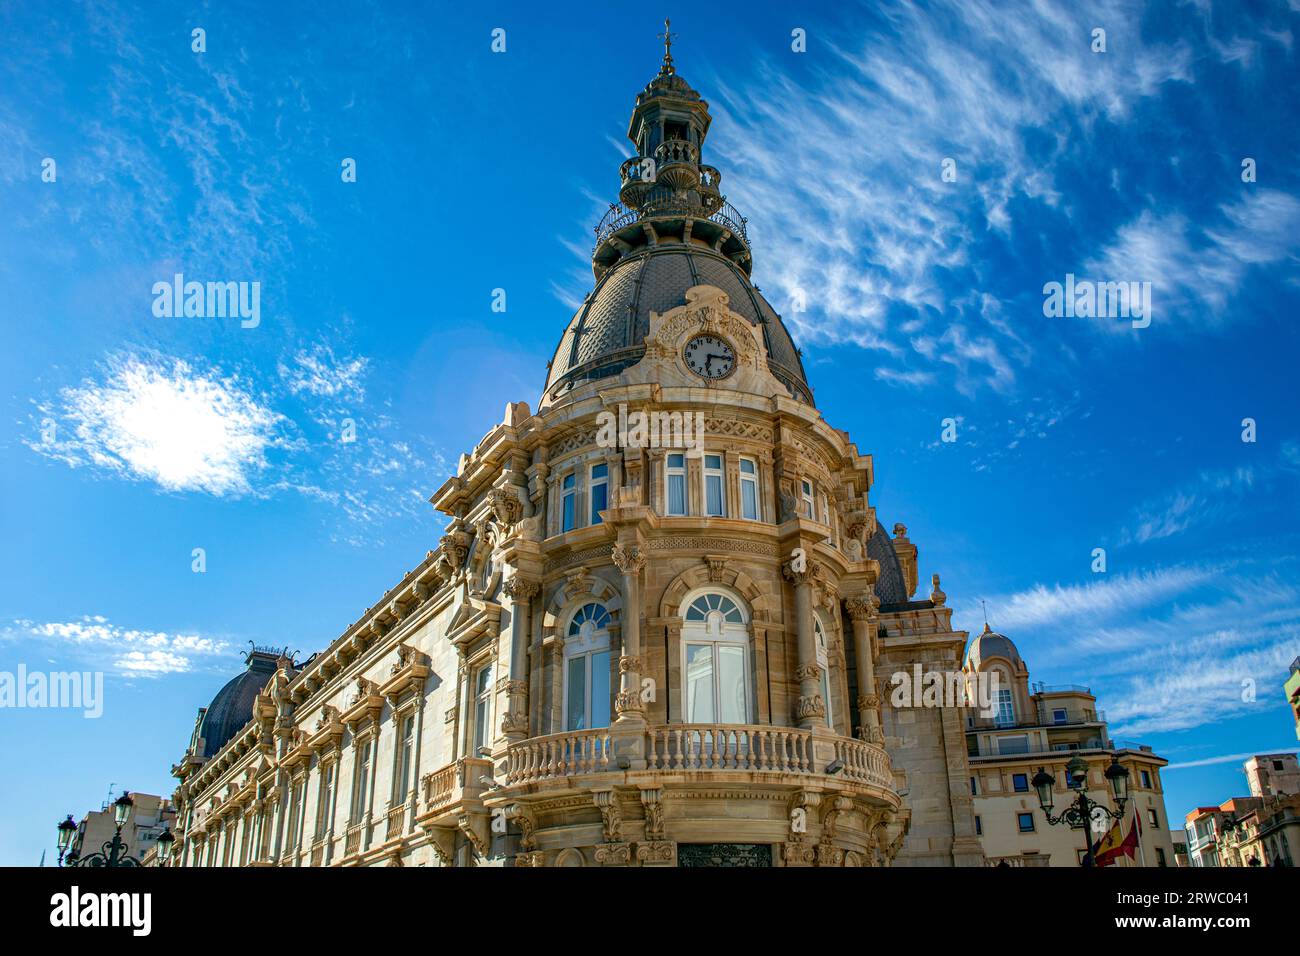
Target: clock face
column 709, row 356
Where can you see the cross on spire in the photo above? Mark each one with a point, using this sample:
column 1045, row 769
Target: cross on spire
column 667, row 67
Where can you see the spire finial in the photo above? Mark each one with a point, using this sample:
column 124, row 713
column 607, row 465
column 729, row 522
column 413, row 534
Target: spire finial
column 667, row 68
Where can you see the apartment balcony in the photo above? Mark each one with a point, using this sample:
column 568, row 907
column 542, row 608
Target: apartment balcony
column 1043, row 718
column 1020, row 860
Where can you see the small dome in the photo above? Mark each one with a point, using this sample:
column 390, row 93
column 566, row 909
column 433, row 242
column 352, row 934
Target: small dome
column 991, row 644
column 608, row 332
column 232, row 708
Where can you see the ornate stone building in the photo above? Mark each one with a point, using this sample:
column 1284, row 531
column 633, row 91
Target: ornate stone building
column 639, row 642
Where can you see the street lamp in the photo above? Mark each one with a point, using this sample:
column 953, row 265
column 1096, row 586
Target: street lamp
column 1081, row 812
column 165, row 841
column 66, row 829
column 113, row 853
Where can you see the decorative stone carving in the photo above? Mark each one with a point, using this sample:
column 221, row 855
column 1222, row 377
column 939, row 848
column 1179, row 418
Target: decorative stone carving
column 652, row 801
column 613, row 854
column 656, row 852
column 808, row 672
column 521, row 589
column 527, row 823
column 796, row 575
column 611, row 817
column 862, row 607
column 812, row 706
column 629, row 560
column 629, row 665
column 505, row 506
column 717, row 568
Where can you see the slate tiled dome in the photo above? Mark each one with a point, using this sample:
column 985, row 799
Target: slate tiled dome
column 607, row 334
column 890, row 586
column 232, row 708
column 992, row 644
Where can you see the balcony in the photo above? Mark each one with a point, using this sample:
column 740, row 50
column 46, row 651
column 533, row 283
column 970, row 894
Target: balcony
column 1021, row 860
column 356, row 833
column 395, row 822
column 698, row 748
column 448, row 789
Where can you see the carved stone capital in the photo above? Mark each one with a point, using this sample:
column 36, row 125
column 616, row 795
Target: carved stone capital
column 629, row 665
column 611, row 816
column 522, row 589
column 613, row 854
column 808, row 672
column 796, row 572
column 629, row 560
column 628, row 702
column 656, row 851
column 862, row 607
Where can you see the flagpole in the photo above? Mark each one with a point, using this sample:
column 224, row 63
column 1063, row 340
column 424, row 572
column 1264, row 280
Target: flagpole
column 1137, row 822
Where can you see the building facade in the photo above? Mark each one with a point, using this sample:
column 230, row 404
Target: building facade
column 1292, row 690
column 1260, row 830
column 656, row 629
column 1036, row 727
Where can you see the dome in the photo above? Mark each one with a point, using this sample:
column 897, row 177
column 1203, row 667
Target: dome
column 890, row 587
column 232, row 708
column 607, row 334
column 991, row 644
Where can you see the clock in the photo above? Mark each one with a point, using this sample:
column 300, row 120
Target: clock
column 709, row 356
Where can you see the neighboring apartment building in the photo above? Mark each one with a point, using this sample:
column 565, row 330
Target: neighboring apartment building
column 1273, row 775
column 150, row 815
column 1041, row 727
column 1179, row 837
column 1260, row 830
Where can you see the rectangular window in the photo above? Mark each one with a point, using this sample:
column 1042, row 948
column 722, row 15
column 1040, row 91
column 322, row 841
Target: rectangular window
column 569, row 490
column 1006, row 709
column 1020, row 782
column 748, row 489
column 1059, row 716
column 599, row 491
column 1019, row 744
column 324, row 799
column 1146, row 779
column 974, row 791
column 587, row 701
column 1160, row 857
column 979, row 826
column 482, row 708
column 715, row 504
column 826, row 509
column 677, row 484
column 405, row 754
column 1026, row 822
column 295, row 813
column 1152, row 818
column 361, row 784
column 806, row 496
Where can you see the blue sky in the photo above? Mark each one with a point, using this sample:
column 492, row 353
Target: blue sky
column 130, row 440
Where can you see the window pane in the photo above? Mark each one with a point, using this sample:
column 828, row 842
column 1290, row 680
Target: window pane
column 712, row 461
column 480, row 725
column 600, row 689
column 599, row 471
column 748, row 500
column 676, row 461
column 677, row 494
column 732, row 685
column 713, row 495
column 599, row 500
column 699, row 683
column 484, row 680
column 576, row 704
column 747, row 466
column 570, row 481
column 568, row 514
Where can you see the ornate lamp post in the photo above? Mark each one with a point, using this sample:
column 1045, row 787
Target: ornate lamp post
column 165, row 841
column 1082, row 812
column 113, row 853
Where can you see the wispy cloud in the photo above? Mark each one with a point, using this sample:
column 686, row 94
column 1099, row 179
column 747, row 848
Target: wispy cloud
column 96, row 642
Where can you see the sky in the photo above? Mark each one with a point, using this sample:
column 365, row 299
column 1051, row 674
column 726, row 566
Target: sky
column 172, row 487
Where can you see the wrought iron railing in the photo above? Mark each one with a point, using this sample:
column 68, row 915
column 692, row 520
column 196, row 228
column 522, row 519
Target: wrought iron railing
column 619, row 216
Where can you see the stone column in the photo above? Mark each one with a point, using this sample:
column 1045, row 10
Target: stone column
column 514, row 723
column 629, row 560
column 811, row 709
column 863, row 612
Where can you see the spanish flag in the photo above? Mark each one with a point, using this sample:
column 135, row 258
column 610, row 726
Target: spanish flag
column 1113, row 845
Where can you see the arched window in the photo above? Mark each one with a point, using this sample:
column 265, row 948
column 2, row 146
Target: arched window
column 823, row 662
column 715, row 661
column 586, row 669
